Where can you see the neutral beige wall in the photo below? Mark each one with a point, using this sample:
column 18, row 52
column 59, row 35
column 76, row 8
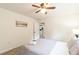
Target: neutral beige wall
column 10, row 35
column 59, row 24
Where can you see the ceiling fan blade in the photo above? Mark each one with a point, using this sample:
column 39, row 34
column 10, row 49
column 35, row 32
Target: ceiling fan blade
column 50, row 7
column 37, row 11
column 36, row 6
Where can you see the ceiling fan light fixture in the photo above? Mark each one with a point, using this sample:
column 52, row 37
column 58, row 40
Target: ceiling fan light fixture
column 46, row 4
column 43, row 11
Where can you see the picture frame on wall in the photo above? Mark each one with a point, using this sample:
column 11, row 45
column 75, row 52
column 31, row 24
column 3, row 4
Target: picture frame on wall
column 21, row 24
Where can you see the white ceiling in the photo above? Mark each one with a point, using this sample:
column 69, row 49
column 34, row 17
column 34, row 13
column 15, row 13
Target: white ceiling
column 27, row 9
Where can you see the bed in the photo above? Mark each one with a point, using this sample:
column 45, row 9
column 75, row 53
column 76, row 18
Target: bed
column 49, row 47
column 73, row 46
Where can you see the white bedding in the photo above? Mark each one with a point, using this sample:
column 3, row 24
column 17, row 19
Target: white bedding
column 73, row 46
column 60, row 49
column 49, row 47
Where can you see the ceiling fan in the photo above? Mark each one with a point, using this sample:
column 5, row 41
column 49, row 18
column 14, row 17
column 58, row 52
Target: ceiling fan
column 42, row 7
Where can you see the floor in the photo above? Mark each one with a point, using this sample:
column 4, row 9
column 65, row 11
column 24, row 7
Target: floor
column 19, row 51
column 43, row 47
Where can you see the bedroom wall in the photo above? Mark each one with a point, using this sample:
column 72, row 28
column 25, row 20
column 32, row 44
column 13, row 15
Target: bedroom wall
column 59, row 24
column 10, row 35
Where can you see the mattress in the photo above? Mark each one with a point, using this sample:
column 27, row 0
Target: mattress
column 73, row 46
column 49, row 47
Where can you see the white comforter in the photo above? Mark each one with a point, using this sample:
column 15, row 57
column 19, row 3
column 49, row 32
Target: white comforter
column 73, row 46
column 49, row 47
